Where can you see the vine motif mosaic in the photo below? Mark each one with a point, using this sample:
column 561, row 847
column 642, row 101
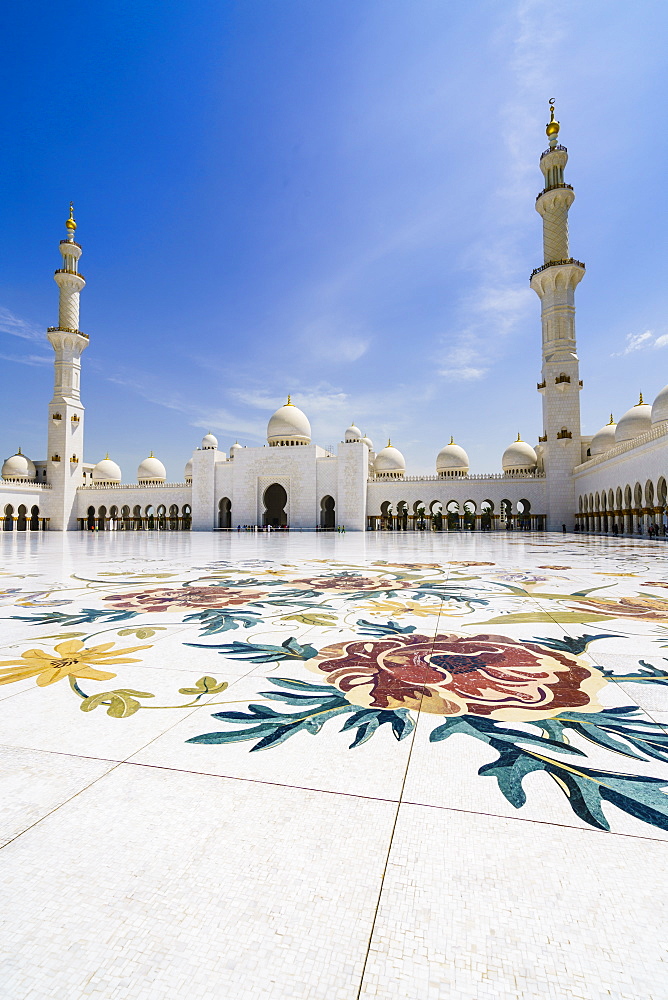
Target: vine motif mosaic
column 380, row 646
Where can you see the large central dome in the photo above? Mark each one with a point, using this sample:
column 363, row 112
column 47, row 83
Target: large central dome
column 288, row 426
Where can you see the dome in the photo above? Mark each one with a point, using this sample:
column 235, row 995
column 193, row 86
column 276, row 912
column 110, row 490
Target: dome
column 288, row 426
column 151, row 470
column 107, row 471
column 519, row 457
column 18, row 467
column 635, row 421
column 353, row 433
column 209, row 442
column 188, row 472
column 452, row 460
column 389, row 463
column 603, row 440
column 234, row 449
column 368, row 442
column 660, row 406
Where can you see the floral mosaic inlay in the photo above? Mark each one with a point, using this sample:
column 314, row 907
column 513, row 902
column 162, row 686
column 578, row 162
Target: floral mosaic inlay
column 495, row 653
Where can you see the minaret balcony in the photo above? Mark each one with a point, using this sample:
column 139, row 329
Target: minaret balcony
column 66, row 329
column 541, row 385
column 554, row 187
column 556, row 149
column 564, row 435
column 557, row 263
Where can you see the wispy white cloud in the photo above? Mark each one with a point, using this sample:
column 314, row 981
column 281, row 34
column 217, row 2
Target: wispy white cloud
column 17, row 327
column 641, row 342
column 329, row 339
column 27, row 359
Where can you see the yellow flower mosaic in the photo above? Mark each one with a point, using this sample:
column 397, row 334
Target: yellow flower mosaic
column 69, row 659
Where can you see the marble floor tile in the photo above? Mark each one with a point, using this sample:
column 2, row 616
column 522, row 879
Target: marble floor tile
column 484, row 907
column 33, row 784
column 163, row 885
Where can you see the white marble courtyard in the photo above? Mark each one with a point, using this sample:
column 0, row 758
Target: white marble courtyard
column 183, row 814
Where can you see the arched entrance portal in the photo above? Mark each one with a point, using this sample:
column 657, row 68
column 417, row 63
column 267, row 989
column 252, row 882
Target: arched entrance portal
column 225, row 513
column 327, row 512
column 275, row 498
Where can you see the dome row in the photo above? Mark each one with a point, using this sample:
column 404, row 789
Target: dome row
column 151, row 470
column 636, row 421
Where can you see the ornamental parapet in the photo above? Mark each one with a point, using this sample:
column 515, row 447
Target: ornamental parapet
column 476, row 477
column 554, row 187
column 66, row 329
column 135, row 486
column 653, row 434
column 557, row 263
column 68, row 270
column 72, row 243
column 22, row 483
column 553, row 149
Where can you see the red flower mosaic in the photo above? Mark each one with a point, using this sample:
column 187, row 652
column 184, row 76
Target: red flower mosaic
column 484, row 675
column 175, row 598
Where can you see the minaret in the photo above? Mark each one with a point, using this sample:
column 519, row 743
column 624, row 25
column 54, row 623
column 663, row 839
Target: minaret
column 66, row 414
column 555, row 283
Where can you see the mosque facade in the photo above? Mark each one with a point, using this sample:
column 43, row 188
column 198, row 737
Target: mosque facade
column 613, row 480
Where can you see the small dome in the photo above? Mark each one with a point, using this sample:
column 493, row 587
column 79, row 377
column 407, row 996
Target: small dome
column 519, row 457
column 353, row 433
column 151, row 470
column 107, row 471
column 288, row 426
column 635, row 421
column 368, row 442
column 209, row 442
column 18, row 467
column 452, row 460
column 660, row 406
column 188, row 472
column 603, row 440
column 234, row 449
column 389, row 463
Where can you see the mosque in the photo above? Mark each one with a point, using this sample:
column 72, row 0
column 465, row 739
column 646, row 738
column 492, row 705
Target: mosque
column 613, row 479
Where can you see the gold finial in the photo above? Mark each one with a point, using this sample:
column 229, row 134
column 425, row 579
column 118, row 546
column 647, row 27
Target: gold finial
column 611, row 420
column 151, row 455
column 389, row 443
column 552, row 127
column 452, row 440
column 71, row 224
column 640, row 401
column 518, row 437
column 106, row 456
column 289, row 402
column 19, row 452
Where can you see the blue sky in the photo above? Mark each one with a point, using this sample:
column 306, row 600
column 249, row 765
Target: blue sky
column 331, row 199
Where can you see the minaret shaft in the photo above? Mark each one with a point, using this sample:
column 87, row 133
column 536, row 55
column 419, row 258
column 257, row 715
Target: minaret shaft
column 555, row 283
column 66, row 412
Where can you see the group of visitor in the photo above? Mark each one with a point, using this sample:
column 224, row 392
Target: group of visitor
column 263, row 527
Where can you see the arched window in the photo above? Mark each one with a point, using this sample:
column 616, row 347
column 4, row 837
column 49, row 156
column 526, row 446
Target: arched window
column 21, row 520
column 34, row 519
column 9, row 518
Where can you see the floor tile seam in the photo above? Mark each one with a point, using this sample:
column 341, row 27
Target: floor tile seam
column 530, row 819
column 57, row 808
column 395, row 821
column 259, row 781
column 59, row 753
